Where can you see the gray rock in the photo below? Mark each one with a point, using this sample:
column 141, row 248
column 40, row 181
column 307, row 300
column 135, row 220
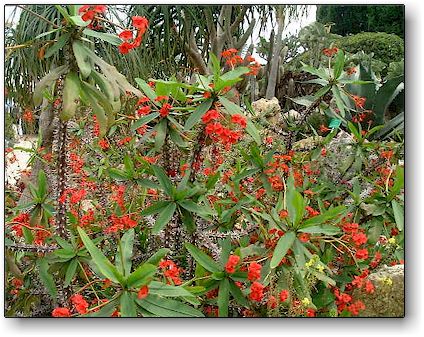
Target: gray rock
column 389, row 294
column 266, row 107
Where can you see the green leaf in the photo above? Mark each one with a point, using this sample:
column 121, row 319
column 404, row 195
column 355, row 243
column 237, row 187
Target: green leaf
column 129, row 165
column 238, row 295
column 144, row 120
column 149, row 92
column 78, row 21
column 112, row 39
column 155, row 208
column 163, row 179
column 230, row 78
column 117, row 174
column 253, row 132
column 398, row 183
column 103, row 264
column 295, row 203
column 70, row 272
column 317, row 72
column 46, row 82
column 165, row 307
column 197, row 114
column 63, row 11
column 321, row 92
column 188, row 220
column 161, row 130
column 323, row 277
column 339, row 64
column 283, row 245
column 202, row 258
column 321, row 229
column 147, row 183
column 128, row 307
column 105, row 311
column 398, row 214
column 322, row 218
column 42, row 185
column 82, row 58
column 193, row 207
column 176, row 138
column 159, row 255
column 124, row 253
column 164, row 217
column 141, row 276
column 223, row 297
column 339, row 101
column 46, row 277
column 61, row 41
column 165, row 290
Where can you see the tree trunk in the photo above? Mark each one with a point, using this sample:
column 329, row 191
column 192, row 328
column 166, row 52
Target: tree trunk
column 272, row 78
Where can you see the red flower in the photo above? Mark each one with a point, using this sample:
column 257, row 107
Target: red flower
column 80, row 303
column 140, row 22
column 77, row 196
column 143, row 292
column 304, row 237
column 283, row 214
column 239, row 119
column 214, row 128
column 161, row 98
column 230, row 267
column 61, row 312
column 362, row 254
column 359, row 238
column 284, row 295
column 164, row 111
column 126, row 35
column 104, row 144
column 254, row 271
column 310, row 313
column 330, row 51
column 125, row 47
column 272, row 302
column 323, row 152
column 256, row 291
column 210, row 115
column 369, row 287
column 359, row 101
column 229, row 53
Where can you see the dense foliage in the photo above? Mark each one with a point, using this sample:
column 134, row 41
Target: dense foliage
column 351, row 19
column 177, row 199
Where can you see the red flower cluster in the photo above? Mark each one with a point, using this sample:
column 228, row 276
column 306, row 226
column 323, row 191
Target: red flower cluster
column 76, row 195
column 170, row 271
column 140, row 23
column 143, row 292
column 61, row 312
column 254, row 271
column 89, row 11
column 239, row 119
column 19, row 221
column 210, row 115
column 256, row 291
column 164, row 110
column 359, row 101
column 28, row 116
column 120, row 223
column 76, row 163
column 284, row 295
column 230, row 266
column 104, row 144
column 330, row 51
column 79, row 303
column 218, row 132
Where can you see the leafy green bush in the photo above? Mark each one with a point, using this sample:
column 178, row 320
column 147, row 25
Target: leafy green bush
column 386, row 47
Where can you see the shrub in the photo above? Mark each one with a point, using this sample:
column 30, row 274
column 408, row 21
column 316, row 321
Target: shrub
column 386, row 47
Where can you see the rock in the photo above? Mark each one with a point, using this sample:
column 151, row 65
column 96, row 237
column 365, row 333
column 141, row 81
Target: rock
column 292, row 115
column 389, row 294
column 266, row 107
column 308, row 143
